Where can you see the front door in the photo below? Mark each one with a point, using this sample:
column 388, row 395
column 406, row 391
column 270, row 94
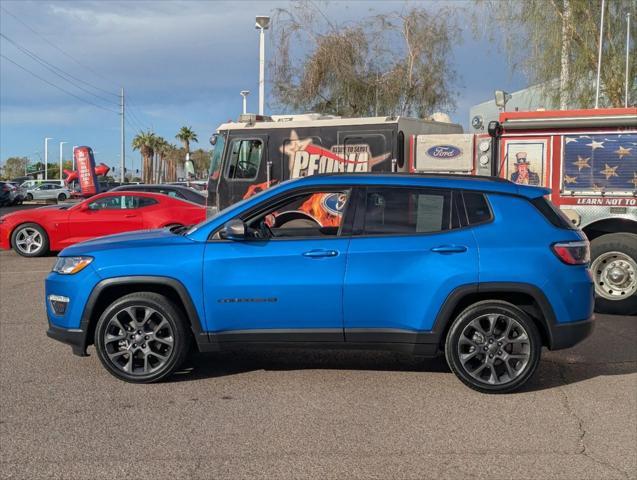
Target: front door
column 105, row 216
column 407, row 255
column 285, row 281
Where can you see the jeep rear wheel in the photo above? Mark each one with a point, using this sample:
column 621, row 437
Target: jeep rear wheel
column 614, row 270
column 493, row 347
column 140, row 338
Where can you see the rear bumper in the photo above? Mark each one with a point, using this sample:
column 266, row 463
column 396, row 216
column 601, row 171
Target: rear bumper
column 565, row 335
column 76, row 338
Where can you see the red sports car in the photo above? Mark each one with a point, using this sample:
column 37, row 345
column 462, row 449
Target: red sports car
column 33, row 233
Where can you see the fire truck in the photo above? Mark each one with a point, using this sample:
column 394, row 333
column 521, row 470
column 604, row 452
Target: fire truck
column 588, row 158
column 257, row 151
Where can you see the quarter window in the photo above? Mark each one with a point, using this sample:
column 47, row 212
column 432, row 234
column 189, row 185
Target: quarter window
column 406, row 211
column 477, row 207
column 245, row 159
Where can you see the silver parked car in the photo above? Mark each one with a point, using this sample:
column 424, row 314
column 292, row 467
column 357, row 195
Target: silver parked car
column 48, row 191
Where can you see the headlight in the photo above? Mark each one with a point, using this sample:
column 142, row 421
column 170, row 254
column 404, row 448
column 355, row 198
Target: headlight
column 71, row 265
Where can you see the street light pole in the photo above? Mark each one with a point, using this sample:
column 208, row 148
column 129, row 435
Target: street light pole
column 61, row 158
column 599, row 53
column 73, row 160
column 262, row 24
column 627, row 57
column 244, row 94
column 46, row 157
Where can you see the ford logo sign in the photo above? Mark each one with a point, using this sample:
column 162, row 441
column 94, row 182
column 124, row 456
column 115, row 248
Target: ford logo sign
column 444, row 151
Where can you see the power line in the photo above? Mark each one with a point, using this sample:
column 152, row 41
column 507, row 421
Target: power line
column 62, row 74
column 57, row 86
column 59, row 49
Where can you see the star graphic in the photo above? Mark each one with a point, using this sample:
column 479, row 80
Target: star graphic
column 609, row 171
column 293, row 145
column 568, row 179
column 595, row 145
column 582, row 163
column 622, row 152
column 634, row 180
column 570, row 139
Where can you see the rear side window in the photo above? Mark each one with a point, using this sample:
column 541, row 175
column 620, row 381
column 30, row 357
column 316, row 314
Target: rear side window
column 552, row 213
column 477, row 208
column 406, row 211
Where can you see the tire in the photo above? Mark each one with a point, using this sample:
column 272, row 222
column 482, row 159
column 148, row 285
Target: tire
column 145, row 364
column 520, row 353
column 61, row 197
column 615, row 294
column 29, row 197
column 30, row 240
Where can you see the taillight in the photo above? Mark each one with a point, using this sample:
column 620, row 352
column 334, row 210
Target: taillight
column 573, row 253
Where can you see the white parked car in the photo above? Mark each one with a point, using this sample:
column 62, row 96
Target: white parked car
column 48, row 191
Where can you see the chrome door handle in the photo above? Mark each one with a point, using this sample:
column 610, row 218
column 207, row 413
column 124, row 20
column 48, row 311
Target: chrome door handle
column 449, row 249
column 320, row 253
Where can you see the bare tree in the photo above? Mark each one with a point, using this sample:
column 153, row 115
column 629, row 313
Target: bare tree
column 551, row 39
column 393, row 64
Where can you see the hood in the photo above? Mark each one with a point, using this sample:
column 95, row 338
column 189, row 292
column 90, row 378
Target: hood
column 138, row 239
column 35, row 212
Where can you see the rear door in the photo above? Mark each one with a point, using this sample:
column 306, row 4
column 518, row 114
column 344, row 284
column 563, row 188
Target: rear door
column 406, row 255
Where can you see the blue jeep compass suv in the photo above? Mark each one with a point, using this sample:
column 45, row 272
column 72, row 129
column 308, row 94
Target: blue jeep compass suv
column 484, row 270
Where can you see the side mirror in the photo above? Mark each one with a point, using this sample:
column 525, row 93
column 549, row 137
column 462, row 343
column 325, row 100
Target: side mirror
column 234, row 230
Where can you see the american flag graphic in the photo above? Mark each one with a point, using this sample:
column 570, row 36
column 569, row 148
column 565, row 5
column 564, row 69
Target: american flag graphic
column 600, row 162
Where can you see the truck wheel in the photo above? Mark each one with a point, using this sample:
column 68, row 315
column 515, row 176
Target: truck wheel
column 140, row 338
column 614, row 270
column 493, row 347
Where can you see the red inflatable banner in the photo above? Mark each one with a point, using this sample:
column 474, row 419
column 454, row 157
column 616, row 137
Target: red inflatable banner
column 86, row 173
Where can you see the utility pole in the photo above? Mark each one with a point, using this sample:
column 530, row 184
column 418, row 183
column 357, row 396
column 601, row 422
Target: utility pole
column 73, row 159
column 599, row 54
column 61, row 156
column 46, row 157
column 122, row 149
column 566, row 46
column 627, row 57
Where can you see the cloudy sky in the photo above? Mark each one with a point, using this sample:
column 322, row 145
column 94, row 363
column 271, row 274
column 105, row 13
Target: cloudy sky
column 181, row 63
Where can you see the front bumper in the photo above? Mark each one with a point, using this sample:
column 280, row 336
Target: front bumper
column 74, row 337
column 565, row 335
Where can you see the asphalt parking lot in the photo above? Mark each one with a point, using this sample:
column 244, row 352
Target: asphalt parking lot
column 306, row 414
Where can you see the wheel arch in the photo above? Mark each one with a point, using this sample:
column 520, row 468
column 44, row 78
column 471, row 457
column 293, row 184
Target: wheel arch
column 527, row 297
column 608, row 226
column 108, row 290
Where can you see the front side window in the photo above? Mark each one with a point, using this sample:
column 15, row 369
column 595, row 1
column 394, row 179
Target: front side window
column 316, row 214
column 121, row 202
column 245, row 159
column 401, row 211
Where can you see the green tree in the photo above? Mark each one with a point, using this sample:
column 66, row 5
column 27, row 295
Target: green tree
column 393, row 64
column 15, row 167
column 555, row 43
column 201, row 160
column 145, row 143
column 185, row 136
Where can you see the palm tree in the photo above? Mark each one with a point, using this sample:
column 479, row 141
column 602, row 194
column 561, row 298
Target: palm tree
column 162, row 148
column 185, row 136
column 145, row 143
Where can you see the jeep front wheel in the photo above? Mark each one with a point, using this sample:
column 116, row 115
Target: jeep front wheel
column 493, row 347
column 140, row 338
